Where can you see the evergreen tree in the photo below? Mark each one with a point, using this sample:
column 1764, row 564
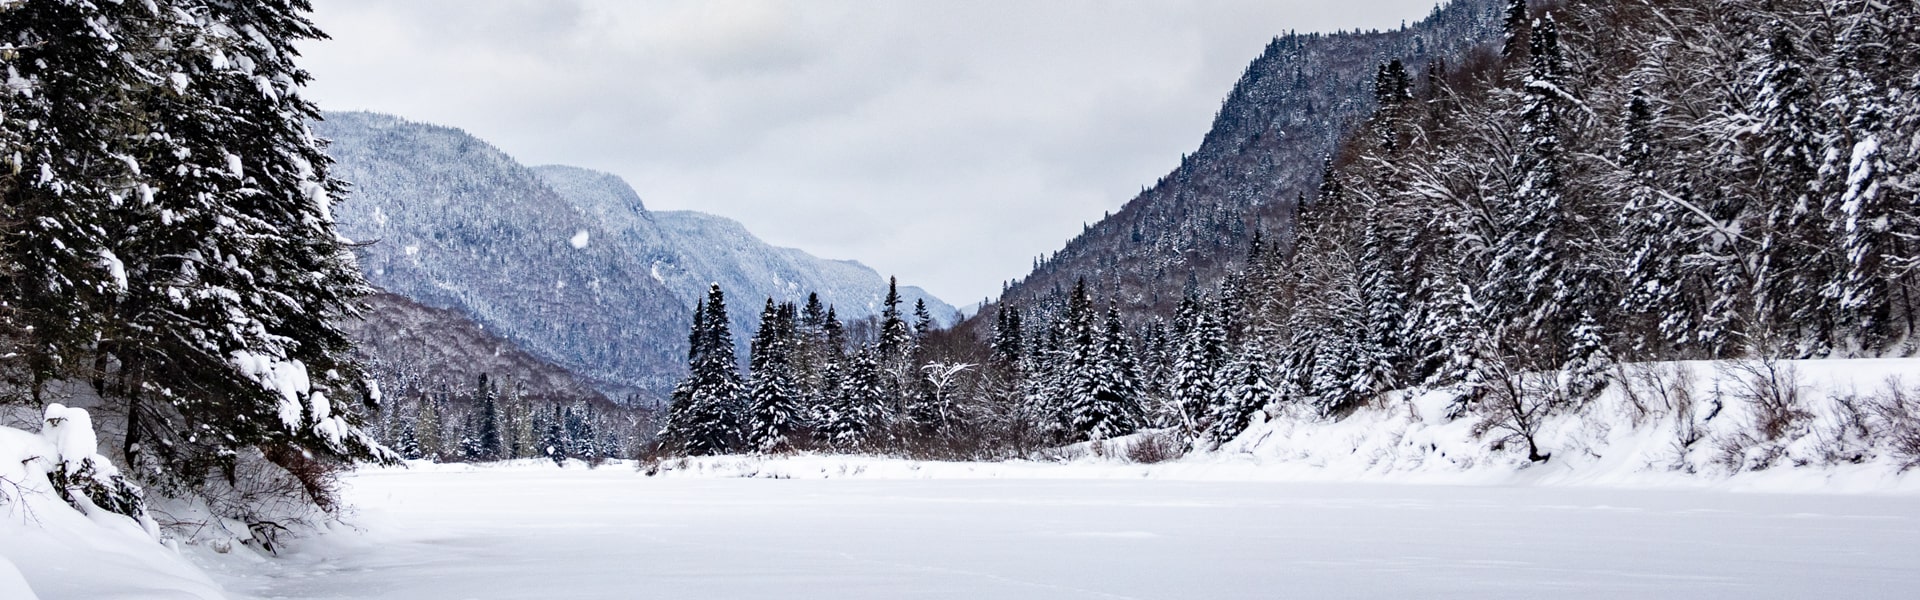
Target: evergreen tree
column 1112, row 408
column 1247, row 392
column 1008, row 336
column 1794, row 254
column 708, row 407
column 922, row 320
column 774, row 413
column 859, row 419
column 487, row 435
column 896, row 341
column 175, row 244
column 554, row 443
column 1201, row 353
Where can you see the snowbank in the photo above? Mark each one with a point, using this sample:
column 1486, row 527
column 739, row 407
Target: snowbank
column 1668, row 425
column 52, row 549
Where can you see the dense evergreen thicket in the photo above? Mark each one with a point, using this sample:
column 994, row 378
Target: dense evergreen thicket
column 168, row 241
column 1626, row 180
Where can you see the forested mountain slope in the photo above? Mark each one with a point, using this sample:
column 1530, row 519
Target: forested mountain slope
column 566, row 262
column 454, row 223
column 689, row 250
column 1266, row 148
column 416, row 348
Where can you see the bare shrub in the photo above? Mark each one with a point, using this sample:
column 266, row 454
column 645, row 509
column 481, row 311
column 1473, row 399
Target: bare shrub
column 1896, row 418
column 1849, row 439
column 1514, row 407
column 1772, row 389
column 1154, row 447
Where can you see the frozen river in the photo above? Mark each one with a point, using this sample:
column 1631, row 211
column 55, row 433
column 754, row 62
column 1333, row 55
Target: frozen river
column 612, row 533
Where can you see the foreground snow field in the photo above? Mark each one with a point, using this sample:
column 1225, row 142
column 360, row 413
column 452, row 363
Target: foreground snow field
column 529, row 531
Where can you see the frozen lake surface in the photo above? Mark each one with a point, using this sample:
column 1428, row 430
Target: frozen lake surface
column 525, row 532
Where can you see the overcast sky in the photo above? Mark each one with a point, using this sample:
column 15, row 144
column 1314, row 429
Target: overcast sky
column 946, row 141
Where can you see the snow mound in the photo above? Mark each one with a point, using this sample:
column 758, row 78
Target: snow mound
column 57, row 541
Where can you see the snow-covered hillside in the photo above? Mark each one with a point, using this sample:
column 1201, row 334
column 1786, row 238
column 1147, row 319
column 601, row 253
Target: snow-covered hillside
column 688, row 250
column 455, row 223
column 566, row 262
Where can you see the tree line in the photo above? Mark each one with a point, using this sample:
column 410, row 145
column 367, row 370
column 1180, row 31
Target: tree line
column 1611, row 182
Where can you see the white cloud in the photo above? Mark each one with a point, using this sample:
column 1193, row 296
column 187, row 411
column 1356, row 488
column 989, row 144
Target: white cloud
column 946, row 141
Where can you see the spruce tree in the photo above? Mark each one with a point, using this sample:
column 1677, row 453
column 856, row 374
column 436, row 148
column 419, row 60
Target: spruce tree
column 896, row 340
column 1112, row 408
column 176, row 244
column 922, row 319
column 1201, row 353
column 708, row 406
column 491, row 446
column 774, row 413
column 1247, row 391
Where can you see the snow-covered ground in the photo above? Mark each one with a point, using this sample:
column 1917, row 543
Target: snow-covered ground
column 534, row 531
column 1665, row 492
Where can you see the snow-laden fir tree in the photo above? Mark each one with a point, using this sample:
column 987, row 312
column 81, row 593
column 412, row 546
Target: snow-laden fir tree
column 554, row 443
column 1111, row 408
column 175, row 244
column 1246, row 391
column 1795, row 258
column 708, row 406
column 1202, row 353
column 774, row 409
column 858, row 419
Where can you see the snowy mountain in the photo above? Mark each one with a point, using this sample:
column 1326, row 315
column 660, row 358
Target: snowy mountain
column 1265, row 149
column 565, row 262
column 454, row 223
column 688, row 250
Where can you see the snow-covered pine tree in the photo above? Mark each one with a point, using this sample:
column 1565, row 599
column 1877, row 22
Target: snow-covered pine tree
column 1008, row 336
column 1202, row 353
column 896, row 339
column 859, row 420
column 1871, row 212
column 181, row 210
column 427, row 428
column 705, row 417
column 1112, row 408
column 1517, row 32
column 554, row 443
column 1247, row 391
column 1653, row 230
column 774, row 410
column 1378, row 351
column 1528, row 283
column 1795, row 256
column 1079, row 368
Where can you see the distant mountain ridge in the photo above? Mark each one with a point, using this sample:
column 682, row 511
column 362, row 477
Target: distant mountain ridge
column 567, row 263
column 687, row 250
